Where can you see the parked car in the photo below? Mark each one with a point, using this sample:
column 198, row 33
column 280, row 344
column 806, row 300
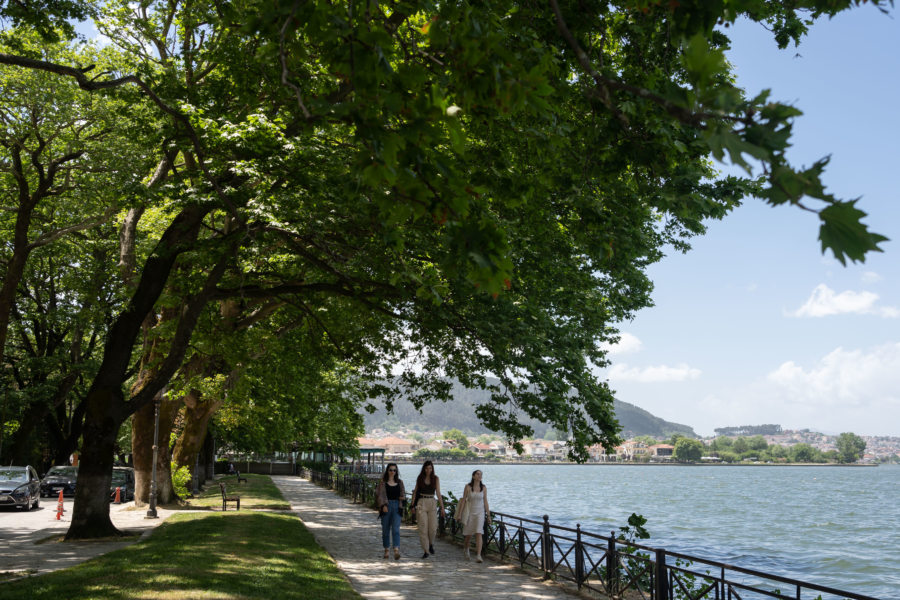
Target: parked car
column 20, row 487
column 123, row 478
column 59, row 478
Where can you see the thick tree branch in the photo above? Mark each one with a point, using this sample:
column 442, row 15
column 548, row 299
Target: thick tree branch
column 92, row 85
column 52, row 236
column 282, row 54
column 183, row 331
column 128, row 231
column 261, row 313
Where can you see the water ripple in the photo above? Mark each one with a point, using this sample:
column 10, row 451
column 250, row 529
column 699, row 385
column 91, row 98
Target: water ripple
column 832, row 526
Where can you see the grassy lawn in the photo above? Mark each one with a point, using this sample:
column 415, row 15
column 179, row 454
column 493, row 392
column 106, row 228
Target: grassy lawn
column 257, row 492
column 232, row 555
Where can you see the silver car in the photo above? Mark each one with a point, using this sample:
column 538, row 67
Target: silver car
column 20, row 487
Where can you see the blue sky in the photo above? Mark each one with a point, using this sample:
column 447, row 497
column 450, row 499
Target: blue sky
column 755, row 325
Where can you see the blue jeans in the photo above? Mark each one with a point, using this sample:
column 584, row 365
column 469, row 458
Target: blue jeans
column 390, row 524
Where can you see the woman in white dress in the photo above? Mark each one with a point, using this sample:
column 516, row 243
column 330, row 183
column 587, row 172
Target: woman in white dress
column 475, row 495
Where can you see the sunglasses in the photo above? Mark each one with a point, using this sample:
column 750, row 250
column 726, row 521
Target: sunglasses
column 392, row 470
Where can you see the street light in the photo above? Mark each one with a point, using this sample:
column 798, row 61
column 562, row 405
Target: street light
column 195, row 478
column 151, row 512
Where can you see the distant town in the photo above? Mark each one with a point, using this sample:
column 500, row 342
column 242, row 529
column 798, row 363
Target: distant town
column 780, row 446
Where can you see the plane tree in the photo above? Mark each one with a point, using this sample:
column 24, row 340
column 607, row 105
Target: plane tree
column 66, row 164
column 66, row 159
column 493, row 178
column 65, row 297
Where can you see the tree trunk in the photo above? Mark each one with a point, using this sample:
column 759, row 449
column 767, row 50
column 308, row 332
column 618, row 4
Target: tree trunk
column 196, row 420
column 68, row 440
column 107, row 409
column 15, row 265
column 20, row 448
column 90, row 515
column 142, row 448
column 207, row 458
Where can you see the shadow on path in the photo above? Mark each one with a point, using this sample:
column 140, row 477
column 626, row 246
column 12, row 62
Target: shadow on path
column 351, row 533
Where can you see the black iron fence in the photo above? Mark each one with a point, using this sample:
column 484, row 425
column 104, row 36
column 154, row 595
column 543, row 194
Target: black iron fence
column 608, row 565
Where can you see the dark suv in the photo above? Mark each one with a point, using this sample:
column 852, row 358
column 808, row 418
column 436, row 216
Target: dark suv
column 58, row 479
column 20, row 487
column 122, row 478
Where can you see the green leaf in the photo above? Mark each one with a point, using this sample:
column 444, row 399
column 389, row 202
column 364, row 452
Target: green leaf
column 843, row 232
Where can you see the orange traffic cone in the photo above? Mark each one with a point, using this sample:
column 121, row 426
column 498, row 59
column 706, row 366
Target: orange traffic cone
column 59, row 506
column 118, row 496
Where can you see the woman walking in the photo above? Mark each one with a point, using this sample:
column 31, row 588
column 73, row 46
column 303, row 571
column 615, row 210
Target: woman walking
column 390, row 494
column 425, row 505
column 475, row 495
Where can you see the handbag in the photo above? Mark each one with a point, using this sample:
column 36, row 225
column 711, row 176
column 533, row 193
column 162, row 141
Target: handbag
column 462, row 511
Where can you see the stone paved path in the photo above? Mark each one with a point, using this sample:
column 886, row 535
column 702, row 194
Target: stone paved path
column 351, row 533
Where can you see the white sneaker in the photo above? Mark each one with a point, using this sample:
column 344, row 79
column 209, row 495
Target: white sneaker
column 479, row 559
column 466, row 552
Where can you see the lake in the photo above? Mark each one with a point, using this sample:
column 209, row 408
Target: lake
column 834, row 526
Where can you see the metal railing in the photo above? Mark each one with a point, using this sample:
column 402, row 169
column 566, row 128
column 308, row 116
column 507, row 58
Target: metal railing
column 607, row 565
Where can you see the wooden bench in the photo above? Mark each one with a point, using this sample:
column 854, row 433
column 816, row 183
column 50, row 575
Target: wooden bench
column 239, row 478
column 226, row 499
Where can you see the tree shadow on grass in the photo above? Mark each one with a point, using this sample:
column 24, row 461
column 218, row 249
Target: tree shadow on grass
column 203, row 555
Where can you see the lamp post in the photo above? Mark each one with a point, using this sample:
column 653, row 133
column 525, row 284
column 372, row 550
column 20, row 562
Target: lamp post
column 151, row 512
column 195, row 478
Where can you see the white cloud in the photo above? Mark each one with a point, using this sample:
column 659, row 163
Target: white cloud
column 845, row 390
column 843, row 378
column 825, row 302
column 653, row 374
column 871, row 277
column 627, row 344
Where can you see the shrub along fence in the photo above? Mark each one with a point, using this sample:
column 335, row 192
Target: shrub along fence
column 608, row 565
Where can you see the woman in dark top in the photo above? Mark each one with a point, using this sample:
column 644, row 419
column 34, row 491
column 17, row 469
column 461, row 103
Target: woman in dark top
column 390, row 495
column 425, row 505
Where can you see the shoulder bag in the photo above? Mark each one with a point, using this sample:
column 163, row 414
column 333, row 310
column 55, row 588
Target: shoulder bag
column 462, row 514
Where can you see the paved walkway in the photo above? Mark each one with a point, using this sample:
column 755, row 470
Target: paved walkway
column 21, row 532
column 351, row 533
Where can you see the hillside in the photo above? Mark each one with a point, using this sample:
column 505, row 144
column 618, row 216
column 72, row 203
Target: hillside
column 459, row 413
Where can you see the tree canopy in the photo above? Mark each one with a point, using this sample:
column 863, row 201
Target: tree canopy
column 688, row 450
column 850, row 447
column 411, row 192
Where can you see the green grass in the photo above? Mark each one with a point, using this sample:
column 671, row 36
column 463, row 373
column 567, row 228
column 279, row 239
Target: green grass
column 232, row 555
column 257, row 492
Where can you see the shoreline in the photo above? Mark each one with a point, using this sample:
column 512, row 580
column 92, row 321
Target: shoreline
column 627, row 464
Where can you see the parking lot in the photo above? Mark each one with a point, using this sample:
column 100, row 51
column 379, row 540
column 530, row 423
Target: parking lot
column 29, row 540
column 35, row 519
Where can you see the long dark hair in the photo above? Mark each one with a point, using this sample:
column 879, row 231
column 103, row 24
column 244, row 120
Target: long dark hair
column 384, row 476
column 472, row 483
column 420, row 480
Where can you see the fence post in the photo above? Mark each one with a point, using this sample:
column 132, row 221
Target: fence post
column 579, row 557
column 546, row 548
column 521, row 544
column 612, row 565
column 502, row 538
column 662, row 576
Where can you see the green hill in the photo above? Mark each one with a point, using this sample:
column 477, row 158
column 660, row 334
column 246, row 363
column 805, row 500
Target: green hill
column 459, row 413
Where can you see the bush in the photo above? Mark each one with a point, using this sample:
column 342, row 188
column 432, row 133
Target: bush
column 181, row 479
